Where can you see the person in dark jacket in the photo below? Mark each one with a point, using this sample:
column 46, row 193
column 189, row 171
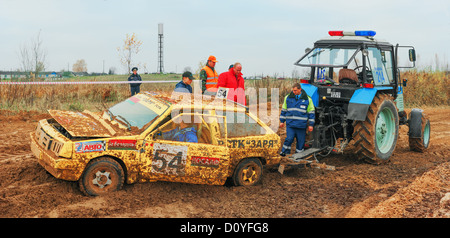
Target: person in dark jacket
column 298, row 113
column 184, row 86
column 135, row 87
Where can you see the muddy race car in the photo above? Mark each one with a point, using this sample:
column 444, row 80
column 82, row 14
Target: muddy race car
column 150, row 137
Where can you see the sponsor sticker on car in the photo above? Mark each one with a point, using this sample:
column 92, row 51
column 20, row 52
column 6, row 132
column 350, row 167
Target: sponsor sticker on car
column 205, row 161
column 122, row 145
column 91, row 146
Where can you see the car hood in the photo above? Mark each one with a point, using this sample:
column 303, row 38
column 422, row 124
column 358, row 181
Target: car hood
column 82, row 124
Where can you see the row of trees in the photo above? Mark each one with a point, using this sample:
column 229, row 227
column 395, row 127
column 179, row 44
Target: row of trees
column 32, row 55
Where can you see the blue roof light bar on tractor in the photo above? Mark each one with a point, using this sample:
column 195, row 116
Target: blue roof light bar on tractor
column 352, row 33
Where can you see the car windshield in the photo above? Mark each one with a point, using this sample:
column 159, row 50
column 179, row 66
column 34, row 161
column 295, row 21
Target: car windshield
column 333, row 57
column 136, row 111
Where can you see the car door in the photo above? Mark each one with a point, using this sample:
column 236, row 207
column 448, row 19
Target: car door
column 201, row 161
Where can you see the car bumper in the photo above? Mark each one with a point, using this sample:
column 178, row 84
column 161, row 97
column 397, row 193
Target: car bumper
column 61, row 168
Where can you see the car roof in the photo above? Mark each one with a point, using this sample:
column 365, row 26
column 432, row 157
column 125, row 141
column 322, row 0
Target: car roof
column 181, row 100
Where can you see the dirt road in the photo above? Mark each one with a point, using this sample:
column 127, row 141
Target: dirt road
column 411, row 185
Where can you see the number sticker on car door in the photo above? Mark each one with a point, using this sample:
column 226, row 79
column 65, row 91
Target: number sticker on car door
column 169, row 159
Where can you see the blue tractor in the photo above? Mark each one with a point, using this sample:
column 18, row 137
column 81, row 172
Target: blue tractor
column 355, row 85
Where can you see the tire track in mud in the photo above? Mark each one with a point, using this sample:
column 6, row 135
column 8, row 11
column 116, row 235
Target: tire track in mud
column 411, row 185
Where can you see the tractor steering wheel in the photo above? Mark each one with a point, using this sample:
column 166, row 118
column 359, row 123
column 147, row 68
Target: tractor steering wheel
column 367, row 68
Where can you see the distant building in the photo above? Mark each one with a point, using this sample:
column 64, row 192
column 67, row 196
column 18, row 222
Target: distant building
column 13, row 75
column 8, row 75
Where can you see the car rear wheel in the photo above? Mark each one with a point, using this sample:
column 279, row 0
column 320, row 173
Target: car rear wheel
column 101, row 176
column 248, row 172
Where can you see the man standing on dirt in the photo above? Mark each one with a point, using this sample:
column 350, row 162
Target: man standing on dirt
column 209, row 77
column 135, row 87
column 234, row 81
column 298, row 114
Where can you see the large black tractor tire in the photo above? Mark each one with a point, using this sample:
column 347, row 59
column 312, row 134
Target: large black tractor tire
column 376, row 137
column 102, row 175
column 420, row 144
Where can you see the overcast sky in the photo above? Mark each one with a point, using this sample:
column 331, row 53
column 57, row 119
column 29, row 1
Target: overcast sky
column 266, row 36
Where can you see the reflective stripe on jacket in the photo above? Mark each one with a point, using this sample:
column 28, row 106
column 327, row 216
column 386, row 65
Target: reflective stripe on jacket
column 212, row 78
column 298, row 112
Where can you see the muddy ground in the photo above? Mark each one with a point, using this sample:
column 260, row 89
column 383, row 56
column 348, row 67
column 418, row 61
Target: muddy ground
column 411, row 185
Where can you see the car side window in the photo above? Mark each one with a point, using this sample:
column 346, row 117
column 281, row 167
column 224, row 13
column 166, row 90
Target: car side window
column 240, row 124
column 193, row 128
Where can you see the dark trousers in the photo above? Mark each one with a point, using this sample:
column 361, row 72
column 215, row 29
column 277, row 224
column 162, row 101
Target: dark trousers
column 135, row 90
column 292, row 133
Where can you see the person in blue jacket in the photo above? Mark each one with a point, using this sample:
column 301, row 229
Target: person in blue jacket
column 184, row 86
column 135, row 87
column 298, row 114
column 183, row 133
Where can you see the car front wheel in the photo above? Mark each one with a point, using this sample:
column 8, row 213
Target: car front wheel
column 101, row 176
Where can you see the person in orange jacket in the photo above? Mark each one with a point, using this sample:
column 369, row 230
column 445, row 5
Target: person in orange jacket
column 209, row 77
column 233, row 80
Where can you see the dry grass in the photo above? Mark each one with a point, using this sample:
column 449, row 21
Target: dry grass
column 76, row 97
column 423, row 89
column 426, row 88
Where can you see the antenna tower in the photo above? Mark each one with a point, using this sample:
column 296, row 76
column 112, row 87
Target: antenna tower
column 160, row 48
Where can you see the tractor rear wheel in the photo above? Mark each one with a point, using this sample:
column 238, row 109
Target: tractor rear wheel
column 376, row 137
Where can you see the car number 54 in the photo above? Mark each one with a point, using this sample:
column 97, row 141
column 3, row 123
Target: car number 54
column 169, row 159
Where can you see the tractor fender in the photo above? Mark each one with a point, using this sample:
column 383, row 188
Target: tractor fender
column 415, row 123
column 312, row 91
column 360, row 102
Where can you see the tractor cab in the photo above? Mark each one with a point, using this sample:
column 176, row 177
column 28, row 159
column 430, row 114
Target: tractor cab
column 353, row 59
column 354, row 83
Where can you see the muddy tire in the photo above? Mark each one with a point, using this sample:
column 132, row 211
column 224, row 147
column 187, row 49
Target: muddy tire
column 421, row 144
column 248, row 172
column 101, row 176
column 376, row 137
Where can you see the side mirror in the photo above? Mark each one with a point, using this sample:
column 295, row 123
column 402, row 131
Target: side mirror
column 412, row 55
column 401, row 52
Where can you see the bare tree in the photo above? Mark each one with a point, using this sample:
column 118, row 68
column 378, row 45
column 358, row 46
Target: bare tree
column 131, row 46
column 201, row 64
column 79, row 66
column 187, row 68
column 26, row 64
column 32, row 56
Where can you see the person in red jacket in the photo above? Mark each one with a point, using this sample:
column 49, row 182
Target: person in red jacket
column 235, row 82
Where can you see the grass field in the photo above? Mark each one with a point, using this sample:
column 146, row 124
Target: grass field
column 423, row 89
